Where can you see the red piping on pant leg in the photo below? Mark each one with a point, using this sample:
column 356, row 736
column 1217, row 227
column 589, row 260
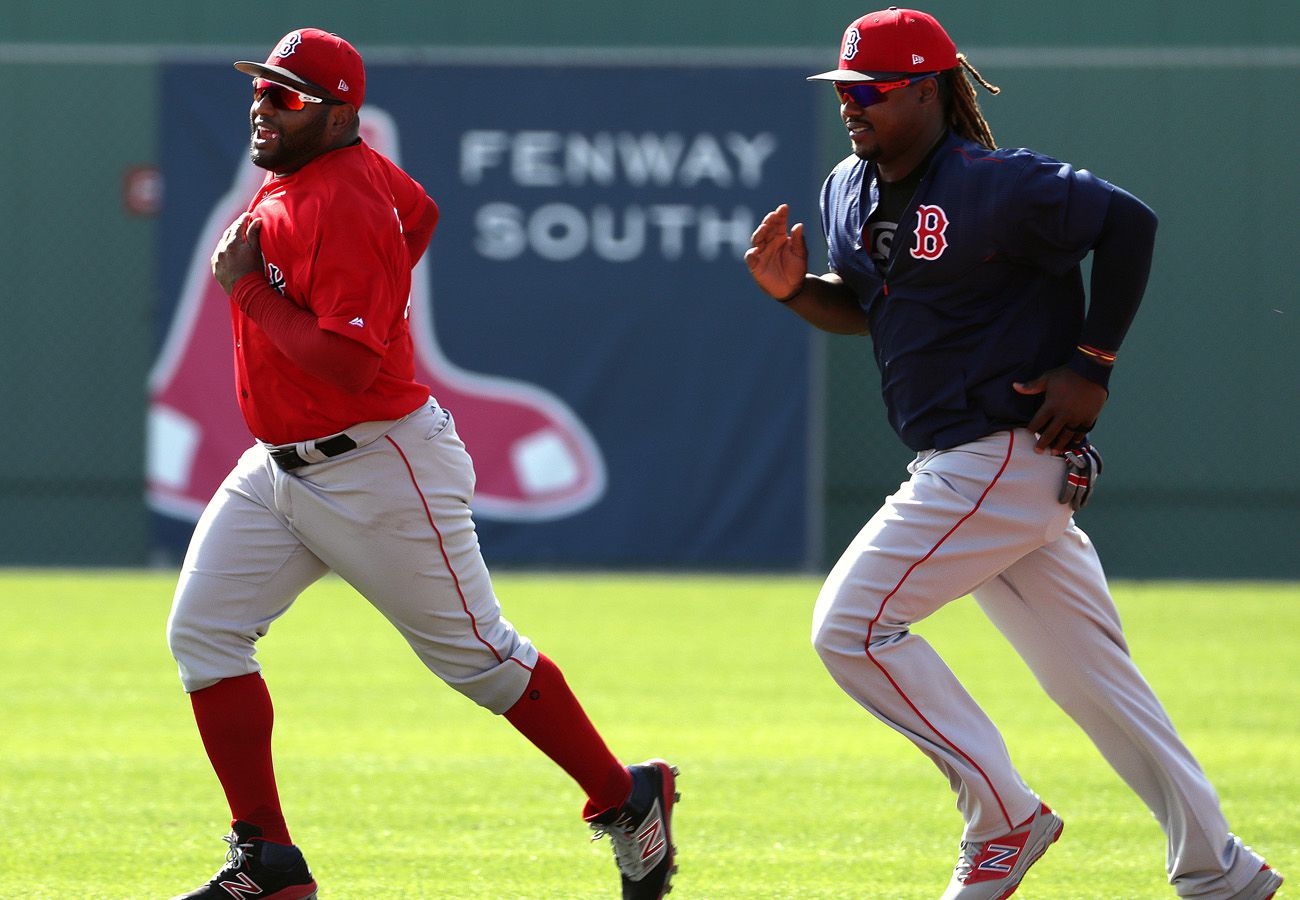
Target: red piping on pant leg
column 867, row 645
column 447, row 561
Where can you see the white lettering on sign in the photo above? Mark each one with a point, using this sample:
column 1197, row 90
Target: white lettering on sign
column 554, row 159
column 751, row 153
column 720, row 235
column 500, row 231
column 606, row 240
column 480, row 150
column 649, row 158
column 534, row 160
column 590, row 159
column 559, row 231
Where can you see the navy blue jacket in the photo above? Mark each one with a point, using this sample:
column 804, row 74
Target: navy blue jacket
column 982, row 287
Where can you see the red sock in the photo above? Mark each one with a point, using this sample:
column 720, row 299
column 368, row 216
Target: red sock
column 234, row 718
column 550, row 716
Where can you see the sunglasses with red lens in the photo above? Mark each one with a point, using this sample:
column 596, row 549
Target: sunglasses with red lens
column 282, row 97
column 869, row 93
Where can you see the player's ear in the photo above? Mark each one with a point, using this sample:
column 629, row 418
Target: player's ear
column 927, row 91
column 343, row 118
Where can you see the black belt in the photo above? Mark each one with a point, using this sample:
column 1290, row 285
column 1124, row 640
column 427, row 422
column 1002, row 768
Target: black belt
column 287, row 458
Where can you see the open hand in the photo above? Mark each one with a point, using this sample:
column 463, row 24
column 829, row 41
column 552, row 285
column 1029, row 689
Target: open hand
column 778, row 260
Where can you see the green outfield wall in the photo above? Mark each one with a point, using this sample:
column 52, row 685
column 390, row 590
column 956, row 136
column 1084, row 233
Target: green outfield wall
column 1189, row 105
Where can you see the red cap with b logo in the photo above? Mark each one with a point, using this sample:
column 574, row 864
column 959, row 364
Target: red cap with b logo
column 894, row 42
column 314, row 62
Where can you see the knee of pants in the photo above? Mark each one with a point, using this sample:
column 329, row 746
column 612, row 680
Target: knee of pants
column 205, row 656
column 843, row 626
column 497, row 689
column 494, row 679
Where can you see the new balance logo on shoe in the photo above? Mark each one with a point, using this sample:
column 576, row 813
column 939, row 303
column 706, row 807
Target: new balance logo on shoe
column 1002, row 859
column 651, row 836
column 245, row 887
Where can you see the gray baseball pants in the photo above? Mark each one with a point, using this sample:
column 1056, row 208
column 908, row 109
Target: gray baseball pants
column 983, row 519
column 391, row 517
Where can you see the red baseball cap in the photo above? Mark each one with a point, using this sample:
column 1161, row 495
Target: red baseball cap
column 314, row 62
column 892, row 43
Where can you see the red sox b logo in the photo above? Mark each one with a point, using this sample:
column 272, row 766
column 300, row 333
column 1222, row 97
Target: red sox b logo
column 851, row 38
column 289, row 44
column 931, row 223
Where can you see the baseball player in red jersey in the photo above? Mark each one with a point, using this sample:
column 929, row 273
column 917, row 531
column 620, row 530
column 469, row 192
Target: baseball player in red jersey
column 356, row 470
column 961, row 261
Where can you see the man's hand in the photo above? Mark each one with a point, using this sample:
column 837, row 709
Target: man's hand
column 778, row 261
column 1071, row 404
column 239, row 251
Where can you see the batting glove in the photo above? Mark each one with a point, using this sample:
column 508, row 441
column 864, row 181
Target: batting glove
column 1082, row 468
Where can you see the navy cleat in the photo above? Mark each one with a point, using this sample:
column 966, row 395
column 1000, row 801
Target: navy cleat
column 257, row 868
column 641, row 831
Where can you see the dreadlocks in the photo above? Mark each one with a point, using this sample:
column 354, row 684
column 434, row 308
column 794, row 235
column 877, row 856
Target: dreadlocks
column 963, row 109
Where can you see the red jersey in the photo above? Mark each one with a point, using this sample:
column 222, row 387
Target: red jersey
column 339, row 238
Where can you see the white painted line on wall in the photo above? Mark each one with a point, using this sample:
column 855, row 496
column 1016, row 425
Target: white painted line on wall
column 1004, row 57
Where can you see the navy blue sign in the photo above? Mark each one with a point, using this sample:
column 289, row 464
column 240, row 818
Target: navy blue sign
column 628, row 396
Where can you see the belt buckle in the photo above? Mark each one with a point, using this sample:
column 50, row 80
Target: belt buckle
column 336, row 446
column 287, row 458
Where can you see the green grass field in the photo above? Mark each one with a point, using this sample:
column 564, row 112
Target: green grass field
column 397, row 787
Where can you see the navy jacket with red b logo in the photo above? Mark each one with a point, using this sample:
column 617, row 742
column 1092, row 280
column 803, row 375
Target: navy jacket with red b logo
column 982, row 286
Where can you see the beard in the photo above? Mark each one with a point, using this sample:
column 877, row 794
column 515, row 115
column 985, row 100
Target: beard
column 868, row 152
column 290, row 150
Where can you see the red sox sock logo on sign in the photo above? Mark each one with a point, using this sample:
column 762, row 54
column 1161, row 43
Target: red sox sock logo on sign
column 931, row 223
column 534, row 459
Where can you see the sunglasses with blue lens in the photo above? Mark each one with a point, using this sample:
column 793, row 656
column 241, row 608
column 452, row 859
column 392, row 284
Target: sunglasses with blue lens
column 869, row 93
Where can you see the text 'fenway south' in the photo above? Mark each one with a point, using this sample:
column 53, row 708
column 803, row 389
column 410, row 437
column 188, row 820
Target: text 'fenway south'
column 627, row 163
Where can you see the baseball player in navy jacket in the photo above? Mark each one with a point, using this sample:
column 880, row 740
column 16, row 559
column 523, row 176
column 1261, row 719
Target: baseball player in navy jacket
column 962, row 262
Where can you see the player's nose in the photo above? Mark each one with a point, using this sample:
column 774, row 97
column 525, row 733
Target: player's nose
column 262, row 104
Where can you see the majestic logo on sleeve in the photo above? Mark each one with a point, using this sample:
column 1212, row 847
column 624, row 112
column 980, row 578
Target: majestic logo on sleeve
column 851, row 38
column 275, row 277
column 931, row 223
